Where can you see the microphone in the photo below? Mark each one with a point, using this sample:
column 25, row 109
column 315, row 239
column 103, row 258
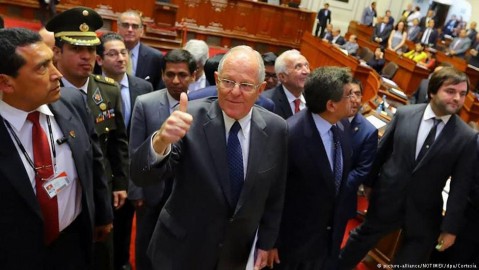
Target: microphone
column 62, row 140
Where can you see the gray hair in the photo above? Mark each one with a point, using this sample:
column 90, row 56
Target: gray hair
column 261, row 72
column 199, row 49
column 280, row 64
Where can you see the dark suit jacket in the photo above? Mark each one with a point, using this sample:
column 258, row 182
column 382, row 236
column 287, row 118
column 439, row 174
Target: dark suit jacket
column 199, row 228
column 150, row 111
column 432, row 40
column 420, row 96
column 423, row 25
column 340, row 40
column 21, row 224
column 211, row 91
column 410, row 193
column 281, row 104
column 149, row 66
column 313, row 213
column 137, row 87
column 382, row 34
column 364, row 138
column 322, row 18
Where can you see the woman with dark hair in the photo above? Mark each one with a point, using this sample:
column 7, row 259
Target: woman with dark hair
column 398, row 36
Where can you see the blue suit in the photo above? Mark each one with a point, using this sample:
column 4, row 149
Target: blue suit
column 211, row 91
column 313, row 219
column 364, row 140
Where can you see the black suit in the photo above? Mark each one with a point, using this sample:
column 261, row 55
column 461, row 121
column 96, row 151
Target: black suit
column 408, row 194
column 281, row 103
column 324, row 17
column 199, row 227
column 148, row 66
column 314, row 219
column 384, row 34
column 21, row 222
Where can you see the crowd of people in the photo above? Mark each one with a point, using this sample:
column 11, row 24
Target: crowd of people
column 234, row 161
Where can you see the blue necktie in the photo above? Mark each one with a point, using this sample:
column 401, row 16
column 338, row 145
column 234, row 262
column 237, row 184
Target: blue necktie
column 337, row 158
column 235, row 162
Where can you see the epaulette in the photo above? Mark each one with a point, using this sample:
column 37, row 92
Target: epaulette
column 103, row 79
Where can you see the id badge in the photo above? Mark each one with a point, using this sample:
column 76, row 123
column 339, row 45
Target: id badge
column 55, row 184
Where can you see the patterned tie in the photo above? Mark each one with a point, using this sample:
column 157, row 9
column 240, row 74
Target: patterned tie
column 235, row 162
column 429, row 140
column 43, row 167
column 337, row 158
column 129, row 66
column 297, row 102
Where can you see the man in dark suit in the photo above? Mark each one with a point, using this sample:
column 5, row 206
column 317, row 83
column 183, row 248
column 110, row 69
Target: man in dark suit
column 75, row 60
column 233, row 191
column 364, row 140
column 382, row 31
column 292, row 69
column 145, row 61
column 324, row 17
column 112, row 57
column 424, row 22
column 150, row 112
column 48, row 9
column 422, row 147
column 41, row 230
column 429, row 35
column 336, row 37
column 313, row 221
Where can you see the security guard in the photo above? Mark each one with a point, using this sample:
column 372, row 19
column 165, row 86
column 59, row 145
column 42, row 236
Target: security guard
column 75, row 54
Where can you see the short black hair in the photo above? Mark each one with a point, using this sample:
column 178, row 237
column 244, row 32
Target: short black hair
column 359, row 83
column 446, row 75
column 269, row 58
column 10, row 40
column 100, row 49
column 179, row 56
column 324, row 84
column 211, row 65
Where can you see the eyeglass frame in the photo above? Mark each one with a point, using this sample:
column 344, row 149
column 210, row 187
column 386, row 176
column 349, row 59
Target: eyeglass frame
column 115, row 53
column 243, row 84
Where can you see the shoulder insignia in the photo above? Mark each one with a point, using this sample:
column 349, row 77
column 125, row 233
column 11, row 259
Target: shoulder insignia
column 106, row 80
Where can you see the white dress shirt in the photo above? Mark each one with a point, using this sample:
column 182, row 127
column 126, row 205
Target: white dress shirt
column 291, row 98
column 69, row 199
column 427, row 123
column 324, row 129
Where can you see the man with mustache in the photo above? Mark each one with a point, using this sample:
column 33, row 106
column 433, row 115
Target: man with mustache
column 75, row 54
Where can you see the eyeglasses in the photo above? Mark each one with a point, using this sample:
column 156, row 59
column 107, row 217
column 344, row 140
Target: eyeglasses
column 356, row 93
column 245, row 87
column 115, row 54
column 181, row 76
column 134, row 26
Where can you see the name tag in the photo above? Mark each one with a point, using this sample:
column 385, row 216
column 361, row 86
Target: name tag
column 54, row 185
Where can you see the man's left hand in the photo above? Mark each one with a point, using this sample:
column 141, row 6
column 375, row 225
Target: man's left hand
column 261, row 259
column 101, row 232
column 119, row 198
column 445, row 241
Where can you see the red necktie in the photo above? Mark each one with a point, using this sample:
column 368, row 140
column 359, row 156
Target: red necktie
column 44, row 170
column 297, row 102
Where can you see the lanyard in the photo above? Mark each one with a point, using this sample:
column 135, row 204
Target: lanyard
column 22, row 148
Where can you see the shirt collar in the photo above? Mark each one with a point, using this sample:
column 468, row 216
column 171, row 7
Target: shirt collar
column 244, row 122
column 17, row 117
column 291, row 97
column 429, row 113
column 84, row 87
column 322, row 125
column 172, row 102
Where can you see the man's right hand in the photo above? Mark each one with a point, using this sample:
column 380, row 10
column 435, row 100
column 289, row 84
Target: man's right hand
column 174, row 128
column 273, row 257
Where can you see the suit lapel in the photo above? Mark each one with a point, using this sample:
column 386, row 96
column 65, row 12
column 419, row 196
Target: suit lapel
column 283, row 102
column 216, row 139
column 141, row 56
column 258, row 138
column 134, row 91
column 16, row 173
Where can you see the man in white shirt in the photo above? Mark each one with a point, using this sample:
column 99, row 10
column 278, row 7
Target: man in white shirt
column 200, row 51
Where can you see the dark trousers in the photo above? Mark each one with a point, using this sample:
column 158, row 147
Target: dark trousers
column 416, row 245
column 319, row 26
column 68, row 251
column 146, row 218
column 122, row 234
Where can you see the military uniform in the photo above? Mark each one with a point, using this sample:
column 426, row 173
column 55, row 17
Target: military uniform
column 103, row 98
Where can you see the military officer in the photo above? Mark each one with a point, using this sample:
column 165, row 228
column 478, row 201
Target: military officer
column 75, row 53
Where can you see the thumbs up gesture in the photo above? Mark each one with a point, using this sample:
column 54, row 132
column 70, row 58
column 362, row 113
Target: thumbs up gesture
column 174, row 128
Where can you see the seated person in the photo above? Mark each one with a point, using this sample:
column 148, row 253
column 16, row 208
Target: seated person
column 397, row 39
column 328, row 32
column 459, row 45
column 430, row 62
column 351, row 46
column 336, row 37
column 418, row 54
column 377, row 62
